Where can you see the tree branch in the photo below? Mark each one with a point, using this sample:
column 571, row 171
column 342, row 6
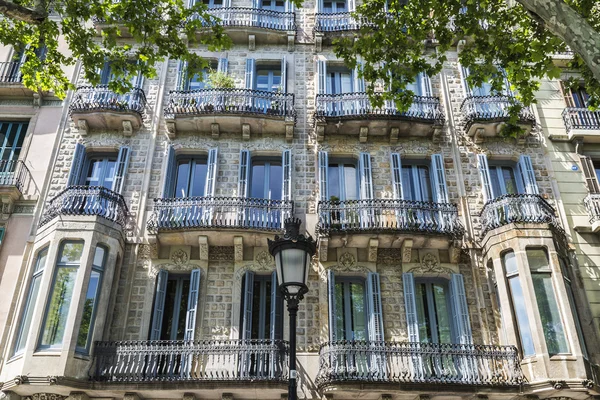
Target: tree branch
column 20, row 13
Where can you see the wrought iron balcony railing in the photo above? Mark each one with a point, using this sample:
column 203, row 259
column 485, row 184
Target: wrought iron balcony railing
column 405, row 362
column 492, row 109
column 511, row 208
column 219, row 212
column 381, row 215
column 581, row 118
column 14, row 173
column 100, row 98
column 229, row 101
column 353, row 105
column 87, row 200
column 10, row 72
column 175, row 361
column 336, row 22
column 254, row 17
column 592, row 205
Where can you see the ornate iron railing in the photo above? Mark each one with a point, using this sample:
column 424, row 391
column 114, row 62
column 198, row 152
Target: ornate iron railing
column 15, row 173
column 87, row 200
column 592, row 204
column 336, row 22
column 10, row 72
column 581, row 118
column 492, row 108
column 352, row 105
column 405, row 362
column 510, row 208
column 205, row 360
column 229, row 101
column 101, row 98
column 219, row 212
column 254, row 17
column 389, row 215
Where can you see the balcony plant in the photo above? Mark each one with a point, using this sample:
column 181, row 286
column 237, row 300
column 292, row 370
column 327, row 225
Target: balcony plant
column 218, row 80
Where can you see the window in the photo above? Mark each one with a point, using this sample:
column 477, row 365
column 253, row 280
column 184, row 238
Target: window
column 273, row 5
column 31, row 300
column 564, row 267
column 419, row 181
column 575, row 97
column 552, row 326
column 104, row 170
column 433, row 311
column 262, row 306
column 2, row 233
column 86, row 328
column 12, row 135
column 502, row 178
column 107, row 75
column 591, row 172
column 338, row 6
column 350, row 309
column 485, row 89
column 268, row 78
column 266, row 179
column 190, row 178
column 198, row 81
column 518, row 302
column 61, row 294
column 101, row 171
column 339, row 80
column 343, row 180
column 175, row 306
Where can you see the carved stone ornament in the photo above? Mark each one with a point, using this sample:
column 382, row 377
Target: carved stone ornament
column 429, row 265
column 220, row 253
column 389, row 257
column 45, row 396
column 347, row 261
column 179, row 257
column 265, row 260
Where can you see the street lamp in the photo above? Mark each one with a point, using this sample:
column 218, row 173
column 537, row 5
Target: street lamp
column 292, row 254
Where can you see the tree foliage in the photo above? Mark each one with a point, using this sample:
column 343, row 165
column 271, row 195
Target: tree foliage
column 133, row 35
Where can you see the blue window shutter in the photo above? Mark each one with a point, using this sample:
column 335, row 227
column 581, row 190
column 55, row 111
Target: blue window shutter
column 351, row 5
column 322, row 71
column 2, row 232
column 284, row 73
column 460, row 309
column 192, row 308
column 222, row 65
column 289, row 6
column 464, row 74
column 359, row 82
column 331, row 302
column 276, row 309
column 484, row 173
column 323, row 173
column 375, row 311
column 182, row 75
column 250, row 71
column 425, row 83
column 439, row 178
column 106, row 73
column 211, row 173
column 410, row 303
column 247, row 311
column 122, row 164
column 77, row 165
column 244, row 173
column 528, row 175
column 159, row 304
column 366, row 179
column 396, row 166
column 169, row 183
column 286, row 162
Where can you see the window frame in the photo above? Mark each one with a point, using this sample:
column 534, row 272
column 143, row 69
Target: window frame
column 267, row 162
column 18, row 142
column 104, row 158
column 345, row 281
column 271, row 70
column 264, row 313
column 495, row 169
column 340, row 163
column 415, row 182
column 334, row 7
column 179, row 278
column 192, row 162
column 429, row 282
column 334, row 76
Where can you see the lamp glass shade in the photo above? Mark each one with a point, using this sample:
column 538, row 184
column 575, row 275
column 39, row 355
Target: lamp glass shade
column 292, row 267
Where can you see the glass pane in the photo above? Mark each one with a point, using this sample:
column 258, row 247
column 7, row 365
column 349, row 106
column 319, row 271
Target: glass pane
column 99, row 257
column 262, row 80
column 266, row 300
column 28, row 313
column 519, row 305
column 183, row 176
column 183, row 305
column 496, row 189
column 350, row 182
column 327, row 6
column 408, row 187
column 275, row 182
column 199, row 179
column 510, row 183
column 334, row 182
column 340, row 321
column 41, row 261
column 93, row 175
column 423, row 313
column 357, row 305
column 256, row 310
column 425, row 182
column 442, row 313
column 109, row 173
column 510, row 263
column 257, row 185
column 58, row 309
column 88, row 310
column 71, row 253
column 346, row 79
column 548, row 308
column 537, row 260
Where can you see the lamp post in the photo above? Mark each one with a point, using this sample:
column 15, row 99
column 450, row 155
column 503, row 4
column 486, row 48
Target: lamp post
column 292, row 254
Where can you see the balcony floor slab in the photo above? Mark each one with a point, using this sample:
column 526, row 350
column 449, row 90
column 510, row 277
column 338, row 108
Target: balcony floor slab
column 231, row 123
column 216, row 236
column 107, row 120
column 377, row 127
column 587, row 135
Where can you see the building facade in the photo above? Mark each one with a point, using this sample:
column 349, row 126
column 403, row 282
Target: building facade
column 452, row 262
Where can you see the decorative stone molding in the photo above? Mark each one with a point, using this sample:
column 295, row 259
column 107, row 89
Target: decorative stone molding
column 318, row 42
column 220, row 253
column 82, row 126
column 291, row 39
column 363, row 134
column 78, row 396
column 238, row 248
column 346, row 261
column 215, row 130
column 45, row 396
column 171, row 129
column 289, row 131
column 588, row 384
column 386, row 397
column 265, row 260
column 430, row 264
column 373, row 245
column 131, row 396
column 188, row 396
column 323, row 249
column 558, row 385
column 246, row 131
column 394, row 133
column 179, row 257
column 23, row 209
column 203, row 247
column 320, row 130
column 407, row 245
column 227, row 396
column 127, row 128
column 389, row 257
column 251, row 42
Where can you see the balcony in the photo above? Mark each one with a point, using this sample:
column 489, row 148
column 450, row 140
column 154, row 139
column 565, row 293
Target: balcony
column 582, row 124
column 87, row 201
column 346, row 366
column 178, row 220
column 11, row 81
column 486, row 115
column 231, row 110
column 517, row 208
column 189, row 362
column 353, row 114
column 97, row 107
column 592, row 205
column 15, row 181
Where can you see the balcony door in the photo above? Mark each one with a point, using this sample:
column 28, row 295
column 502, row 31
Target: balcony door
column 190, row 180
column 268, row 78
column 12, row 135
column 339, row 6
column 101, row 171
column 266, row 178
column 416, row 182
column 350, row 309
column 273, row 5
column 503, row 178
column 434, row 313
column 339, row 80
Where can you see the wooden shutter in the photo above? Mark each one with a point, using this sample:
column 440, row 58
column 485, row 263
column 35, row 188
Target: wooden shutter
column 211, row 172
column 250, row 71
column 366, row 179
column 589, row 172
column 284, row 73
column 396, row 167
column 159, row 304
column 222, row 65
column 286, row 162
column 410, row 304
column 528, row 175
column 439, row 178
column 567, row 94
column 244, row 173
column 331, row 303
column 182, row 75
column 425, row 83
column 276, row 309
column 192, row 307
column 461, row 310
column 484, row 174
column 248, row 294
column 375, row 309
column 121, row 170
column 323, row 174
column 105, row 74
column 169, row 183
column 322, row 71
column 77, row 165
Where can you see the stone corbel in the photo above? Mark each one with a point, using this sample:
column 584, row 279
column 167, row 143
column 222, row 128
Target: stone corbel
column 8, row 204
column 455, row 250
column 406, row 249
column 246, row 131
column 82, row 126
column 10, row 395
column 320, row 128
column 203, row 247
column 215, row 130
column 238, row 248
column 78, row 396
column 289, row 130
column 437, row 134
column 132, row 396
column 291, row 36
column 171, row 129
column 188, row 396
column 394, row 133
column 37, row 100
column 363, row 134
column 373, row 245
column 386, row 397
column 318, row 42
column 227, row 396
column 127, row 128
column 251, row 42
column 154, row 247
column 323, row 249
column 478, row 137
column 578, row 146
